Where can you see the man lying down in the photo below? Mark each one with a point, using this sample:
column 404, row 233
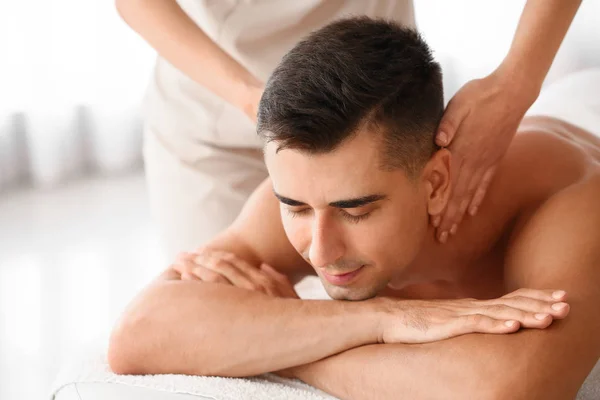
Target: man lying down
column 348, row 119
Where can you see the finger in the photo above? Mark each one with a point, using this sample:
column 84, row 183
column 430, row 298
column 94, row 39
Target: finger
column 471, row 186
column 456, row 197
column 468, row 195
column 192, row 270
column 206, row 275
column 180, row 260
column 557, row 310
column 450, row 123
column 286, row 288
column 479, row 323
column 435, row 220
column 274, row 273
column 186, row 276
column 539, row 294
column 250, row 270
column 481, row 190
column 215, row 262
column 178, row 268
column 259, row 281
column 504, row 312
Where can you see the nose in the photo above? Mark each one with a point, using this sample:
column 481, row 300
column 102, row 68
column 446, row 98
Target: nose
column 327, row 244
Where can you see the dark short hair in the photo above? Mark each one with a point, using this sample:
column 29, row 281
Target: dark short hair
column 352, row 74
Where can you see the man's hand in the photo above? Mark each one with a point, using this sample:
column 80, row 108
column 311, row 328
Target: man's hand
column 226, row 268
column 477, row 127
column 422, row 321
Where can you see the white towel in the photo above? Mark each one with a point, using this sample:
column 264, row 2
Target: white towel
column 91, row 366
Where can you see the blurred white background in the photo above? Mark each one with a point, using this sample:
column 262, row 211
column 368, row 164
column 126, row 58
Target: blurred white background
column 76, row 237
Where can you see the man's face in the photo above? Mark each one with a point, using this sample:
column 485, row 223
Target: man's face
column 346, row 215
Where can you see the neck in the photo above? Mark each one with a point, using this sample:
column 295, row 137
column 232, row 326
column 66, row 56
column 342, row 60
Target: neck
column 434, row 262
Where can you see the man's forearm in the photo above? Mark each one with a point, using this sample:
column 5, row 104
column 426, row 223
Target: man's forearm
column 540, row 32
column 392, row 371
column 198, row 328
column 476, row 366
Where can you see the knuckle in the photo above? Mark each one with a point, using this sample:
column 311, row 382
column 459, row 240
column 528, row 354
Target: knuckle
column 220, row 266
column 254, row 286
column 272, row 287
column 268, row 285
column 475, row 319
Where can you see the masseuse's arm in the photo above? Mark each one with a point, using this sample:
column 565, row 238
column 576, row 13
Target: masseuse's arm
column 168, row 29
column 557, row 247
column 481, row 119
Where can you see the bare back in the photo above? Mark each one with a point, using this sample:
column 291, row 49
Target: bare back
column 546, row 157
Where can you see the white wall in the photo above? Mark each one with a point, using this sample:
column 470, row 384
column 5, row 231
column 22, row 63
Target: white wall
column 470, row 38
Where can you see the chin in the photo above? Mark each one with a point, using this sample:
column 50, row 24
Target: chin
column 353, row 293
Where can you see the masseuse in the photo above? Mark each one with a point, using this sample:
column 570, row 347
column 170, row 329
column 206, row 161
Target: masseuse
column 202, row 155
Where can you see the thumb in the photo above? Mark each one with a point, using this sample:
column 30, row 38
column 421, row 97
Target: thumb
column 451, row 120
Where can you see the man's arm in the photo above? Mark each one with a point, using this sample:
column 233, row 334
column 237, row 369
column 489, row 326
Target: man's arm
column 202, row 328
column 199, row 328
column 557, row 247
column 257, row 236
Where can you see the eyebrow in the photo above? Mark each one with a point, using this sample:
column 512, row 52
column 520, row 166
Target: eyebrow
column 348, row 203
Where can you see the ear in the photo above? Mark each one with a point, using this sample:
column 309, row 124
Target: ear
column 436, row 181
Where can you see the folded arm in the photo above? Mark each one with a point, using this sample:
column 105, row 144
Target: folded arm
column 556, row 247
column 200, row 328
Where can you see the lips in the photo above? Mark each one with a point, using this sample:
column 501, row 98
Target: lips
column 342, row 279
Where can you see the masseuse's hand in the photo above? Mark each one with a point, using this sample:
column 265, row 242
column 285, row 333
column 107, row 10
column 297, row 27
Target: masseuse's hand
column 477, row 127
column 422, row 321
column 226, row 268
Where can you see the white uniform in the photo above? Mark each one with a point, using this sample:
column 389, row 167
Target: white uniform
column 202, row 155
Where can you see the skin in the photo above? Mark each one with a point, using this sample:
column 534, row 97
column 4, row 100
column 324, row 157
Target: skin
column 482, row 117
column 538, row 228
column 527, row 234
column 394, row 238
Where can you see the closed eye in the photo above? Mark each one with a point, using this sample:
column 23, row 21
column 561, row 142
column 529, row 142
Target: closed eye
column 298, row 213
column 348, row 217
column 354, row 218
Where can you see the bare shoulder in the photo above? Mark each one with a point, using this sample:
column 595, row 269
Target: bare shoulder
column 257, row 235
column 557, row 246
column 537, row 166
column 540, row 163
column 558, row 241
column 551, row 185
